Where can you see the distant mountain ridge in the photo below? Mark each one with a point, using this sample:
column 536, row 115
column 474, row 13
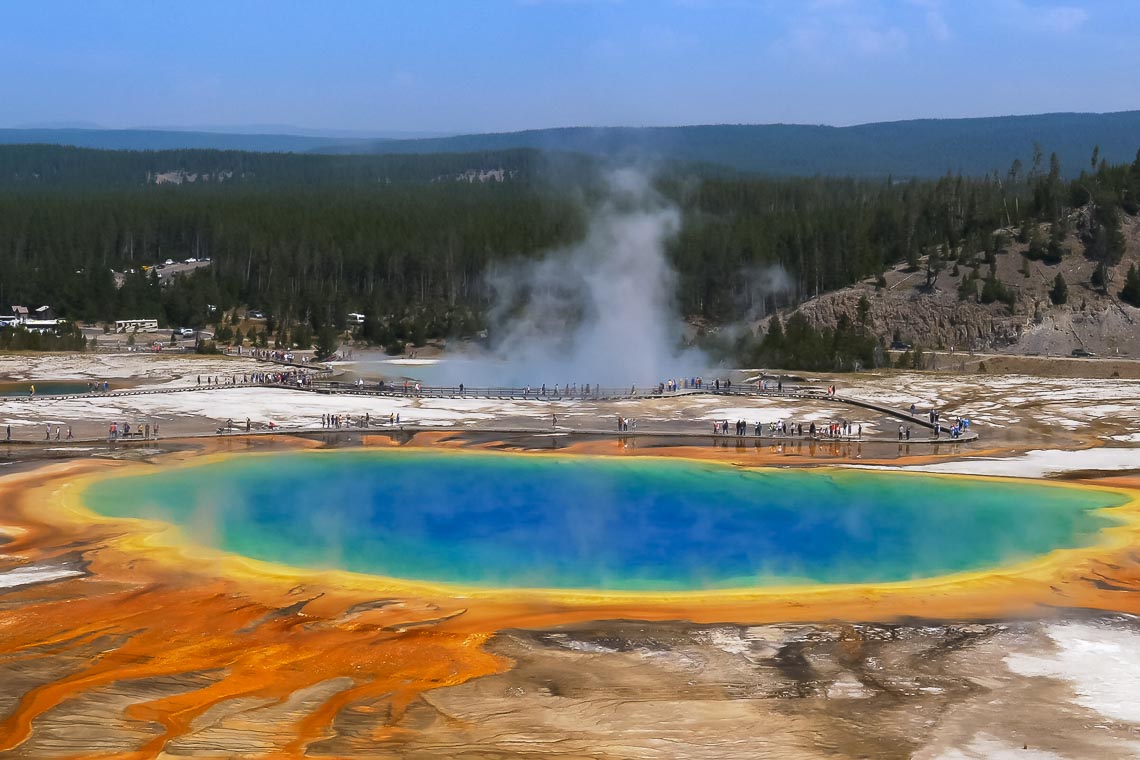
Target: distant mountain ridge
column 918, row 148
column 162, row 139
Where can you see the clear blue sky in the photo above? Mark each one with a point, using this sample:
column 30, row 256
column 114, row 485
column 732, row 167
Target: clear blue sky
column 498, row 65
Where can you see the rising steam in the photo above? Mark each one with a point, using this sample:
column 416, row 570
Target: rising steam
column 600, row 311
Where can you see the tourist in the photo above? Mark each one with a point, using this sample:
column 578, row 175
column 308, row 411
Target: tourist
column 9, row 432
column 901, row 432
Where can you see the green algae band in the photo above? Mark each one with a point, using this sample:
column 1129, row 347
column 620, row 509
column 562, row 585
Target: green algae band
column 506, row 520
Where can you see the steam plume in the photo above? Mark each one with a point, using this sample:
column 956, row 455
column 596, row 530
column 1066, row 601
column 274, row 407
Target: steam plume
column 599, row 311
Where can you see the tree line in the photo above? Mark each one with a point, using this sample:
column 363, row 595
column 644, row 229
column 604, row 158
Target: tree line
column 412, row 252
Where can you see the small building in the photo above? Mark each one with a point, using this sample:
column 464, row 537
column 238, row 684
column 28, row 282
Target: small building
column 43, row 325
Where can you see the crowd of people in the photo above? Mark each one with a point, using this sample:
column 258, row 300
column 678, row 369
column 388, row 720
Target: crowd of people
column 958, row 427
column 118, row 431
column 359, row 421
column 836, row 429
column 293, row 377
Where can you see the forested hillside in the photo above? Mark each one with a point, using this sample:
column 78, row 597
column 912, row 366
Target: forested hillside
column 32, row 167
column 311, row 246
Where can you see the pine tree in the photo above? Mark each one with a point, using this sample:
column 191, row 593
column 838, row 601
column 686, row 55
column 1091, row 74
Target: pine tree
column 1060, row 291
column 934, row 265
column 1130, row 293
column 1099, row 279
column 327, row 343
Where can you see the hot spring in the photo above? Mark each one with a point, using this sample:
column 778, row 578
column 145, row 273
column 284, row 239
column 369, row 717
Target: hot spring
column 634, row 524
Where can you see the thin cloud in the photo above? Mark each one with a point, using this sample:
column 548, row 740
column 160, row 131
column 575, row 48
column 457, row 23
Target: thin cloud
column 836, row 30
column 935, row 17
column 1048, row 19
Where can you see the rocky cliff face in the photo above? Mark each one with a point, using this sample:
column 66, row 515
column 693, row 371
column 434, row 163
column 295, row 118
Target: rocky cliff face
column 931, row 320
column 938, row 319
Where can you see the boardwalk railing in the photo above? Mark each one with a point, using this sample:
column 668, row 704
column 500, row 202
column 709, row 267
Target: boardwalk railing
column 507, row 393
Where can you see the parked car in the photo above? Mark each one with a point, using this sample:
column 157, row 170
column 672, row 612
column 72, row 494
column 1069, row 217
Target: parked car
column 255, row 314
column 168, row 262
column 186, row 332
column 1081, row 353
column 898, row 345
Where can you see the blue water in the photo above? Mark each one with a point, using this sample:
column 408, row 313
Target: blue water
column 599, row 523
column 45, row 388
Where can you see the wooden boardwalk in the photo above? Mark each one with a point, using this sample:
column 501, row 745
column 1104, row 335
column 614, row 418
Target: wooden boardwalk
column 806, row 393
